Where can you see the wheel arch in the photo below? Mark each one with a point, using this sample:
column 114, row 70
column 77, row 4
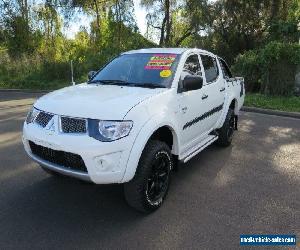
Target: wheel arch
column 230, row 102
column 166, row 134
column 234, row 105
column 152, row 130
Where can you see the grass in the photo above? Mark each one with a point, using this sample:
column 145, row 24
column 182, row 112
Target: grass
column 35, row 85
column 289, row 104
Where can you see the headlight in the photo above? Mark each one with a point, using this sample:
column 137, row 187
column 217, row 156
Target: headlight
column 31, row 115
column 109, row 130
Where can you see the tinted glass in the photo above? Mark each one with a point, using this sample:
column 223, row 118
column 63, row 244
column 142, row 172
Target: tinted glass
column 192, row 65
column 225, row 69
column 210, row 68
column 140, row 69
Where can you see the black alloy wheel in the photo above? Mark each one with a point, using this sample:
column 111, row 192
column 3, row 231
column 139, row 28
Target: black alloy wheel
column 158, row 180
column 148, row 189
column 226, row 132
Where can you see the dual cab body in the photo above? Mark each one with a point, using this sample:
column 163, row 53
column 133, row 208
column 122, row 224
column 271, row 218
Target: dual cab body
column 98, row 131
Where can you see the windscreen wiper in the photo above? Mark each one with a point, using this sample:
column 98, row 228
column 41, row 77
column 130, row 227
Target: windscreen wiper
column 114, row 82
column 148, row 85
column 132, row 84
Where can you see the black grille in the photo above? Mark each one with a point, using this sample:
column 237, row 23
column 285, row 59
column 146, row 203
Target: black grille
column 61, row 158
column 73, row 125
column 43, row 118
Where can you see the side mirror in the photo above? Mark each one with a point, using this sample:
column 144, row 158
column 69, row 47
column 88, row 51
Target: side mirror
column 91, row 74
column 191, row 83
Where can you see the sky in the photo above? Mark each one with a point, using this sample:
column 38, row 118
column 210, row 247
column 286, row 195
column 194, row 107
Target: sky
column 84, row 20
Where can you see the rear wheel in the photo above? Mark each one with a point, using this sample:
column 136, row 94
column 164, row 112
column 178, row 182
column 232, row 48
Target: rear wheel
column 149, row 187
column 226, row 132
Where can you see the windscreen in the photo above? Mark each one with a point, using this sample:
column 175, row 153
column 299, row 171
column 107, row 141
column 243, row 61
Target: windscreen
column 141, row 69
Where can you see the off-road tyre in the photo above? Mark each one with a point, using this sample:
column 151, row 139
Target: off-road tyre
column 153, row 175
column 226, row 132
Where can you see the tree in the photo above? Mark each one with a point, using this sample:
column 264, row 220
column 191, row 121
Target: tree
column 284, row 20
column 191, row 18
column 176, row 20
column 92, row 7
column 160, row 10
column 16, row 25
column 235, row 26
column 122, row 14
column 49, row 24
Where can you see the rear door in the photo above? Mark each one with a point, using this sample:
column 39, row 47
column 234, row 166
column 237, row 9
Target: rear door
column 213, row 89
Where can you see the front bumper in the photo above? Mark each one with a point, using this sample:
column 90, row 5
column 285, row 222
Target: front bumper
column 105, row 161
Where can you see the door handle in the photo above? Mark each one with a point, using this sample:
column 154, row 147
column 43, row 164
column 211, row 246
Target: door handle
column 184, row 109
column 222, row 89
column 204, row 96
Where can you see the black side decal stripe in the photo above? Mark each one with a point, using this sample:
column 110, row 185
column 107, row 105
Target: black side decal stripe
column 202, row 117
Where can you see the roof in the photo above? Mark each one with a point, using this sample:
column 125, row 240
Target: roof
column 165, row 50
column 158, row 50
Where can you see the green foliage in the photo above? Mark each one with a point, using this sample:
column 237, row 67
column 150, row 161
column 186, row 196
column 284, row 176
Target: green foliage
column 289, row 104
column 35, row 54
column 260, row 36
column 48, row 67
column 31, row 72
column 248, row 66
column 19, row 36
column 234, row 27
column 271, row 69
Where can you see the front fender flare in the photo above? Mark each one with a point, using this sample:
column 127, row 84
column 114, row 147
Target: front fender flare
column 140, row 142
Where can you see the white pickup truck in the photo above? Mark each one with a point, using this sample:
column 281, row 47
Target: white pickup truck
column 135, row 119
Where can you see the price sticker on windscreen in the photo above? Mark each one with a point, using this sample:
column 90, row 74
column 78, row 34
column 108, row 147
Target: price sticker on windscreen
column 165, row 73
column 161, row 62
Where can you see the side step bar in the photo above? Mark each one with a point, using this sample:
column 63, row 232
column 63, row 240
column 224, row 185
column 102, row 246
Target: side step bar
column 198, row 148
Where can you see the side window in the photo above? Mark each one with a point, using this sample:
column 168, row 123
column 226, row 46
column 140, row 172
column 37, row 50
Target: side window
column 210, row 68
column 225, row 69
column 192, row 65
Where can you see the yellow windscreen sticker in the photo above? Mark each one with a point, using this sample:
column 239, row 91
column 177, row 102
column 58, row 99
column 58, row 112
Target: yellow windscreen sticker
column 165, row 73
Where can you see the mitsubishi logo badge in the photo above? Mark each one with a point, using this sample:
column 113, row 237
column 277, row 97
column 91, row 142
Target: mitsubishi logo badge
column 51, row 127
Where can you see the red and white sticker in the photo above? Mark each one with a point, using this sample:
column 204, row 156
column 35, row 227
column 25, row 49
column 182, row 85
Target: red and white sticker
column 161, row 61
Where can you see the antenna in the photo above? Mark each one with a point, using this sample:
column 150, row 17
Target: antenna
column 72, row 78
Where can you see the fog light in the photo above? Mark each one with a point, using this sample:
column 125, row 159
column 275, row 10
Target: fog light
column 108, row 163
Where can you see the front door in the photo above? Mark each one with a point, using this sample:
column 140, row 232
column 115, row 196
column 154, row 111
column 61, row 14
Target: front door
column 191, row 107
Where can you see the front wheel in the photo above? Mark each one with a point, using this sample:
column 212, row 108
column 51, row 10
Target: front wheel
column 149, row 187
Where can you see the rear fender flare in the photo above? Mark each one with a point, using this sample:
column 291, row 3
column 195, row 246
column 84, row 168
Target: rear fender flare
column 226, row 108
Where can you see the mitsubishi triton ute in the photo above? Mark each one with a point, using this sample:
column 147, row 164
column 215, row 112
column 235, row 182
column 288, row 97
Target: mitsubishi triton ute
column 134, row 119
